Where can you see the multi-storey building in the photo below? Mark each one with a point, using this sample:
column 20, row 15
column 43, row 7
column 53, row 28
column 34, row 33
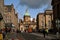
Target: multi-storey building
column 44, row 20
column 1, row 14
column 48, row 19
column 40, row 21
column 10, row 17
column 56, row 13
column 27, row 23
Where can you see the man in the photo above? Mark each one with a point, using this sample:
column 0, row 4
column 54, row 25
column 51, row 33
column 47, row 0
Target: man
column 44, row 32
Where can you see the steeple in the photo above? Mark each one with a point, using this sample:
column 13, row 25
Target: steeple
column 27, row 13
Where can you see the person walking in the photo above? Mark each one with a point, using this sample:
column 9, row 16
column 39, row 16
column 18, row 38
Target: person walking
column 44, row 32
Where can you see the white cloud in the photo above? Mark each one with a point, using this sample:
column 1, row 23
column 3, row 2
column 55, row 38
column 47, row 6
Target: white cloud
column 36, row 3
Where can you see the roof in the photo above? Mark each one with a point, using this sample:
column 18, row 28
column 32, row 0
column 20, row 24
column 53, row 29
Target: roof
column 8, row 5
column 49, row 12
column 27, row 13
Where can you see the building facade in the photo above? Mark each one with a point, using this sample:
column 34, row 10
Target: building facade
column 44, row 20
column 56, row 13
column 48, row 19
column 27, row 24
column 1, row 14
column 10, row 17
column 40, row 21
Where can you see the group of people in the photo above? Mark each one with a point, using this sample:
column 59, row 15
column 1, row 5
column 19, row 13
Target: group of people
column 4, row 32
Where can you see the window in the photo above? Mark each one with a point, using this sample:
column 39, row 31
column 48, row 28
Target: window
column 9, row 20
column 5, row 21
column 49, row 23
column 5, row 8
column 42, row 23
column 9, row 9
column 49, row 16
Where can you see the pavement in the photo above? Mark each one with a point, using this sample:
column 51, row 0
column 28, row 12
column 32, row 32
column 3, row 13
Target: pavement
column 49, row 36
column 28, row 36
column 13, row 36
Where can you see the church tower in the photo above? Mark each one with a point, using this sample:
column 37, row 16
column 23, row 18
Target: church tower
column 27, row 16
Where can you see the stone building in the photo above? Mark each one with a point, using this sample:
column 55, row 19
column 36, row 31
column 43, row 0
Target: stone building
column 40, row 21
column 48, row 19
column 21, row 26
column 1, row 14
column 44, row 20
column 10, row 17
column 26, row 23
column 56, row 13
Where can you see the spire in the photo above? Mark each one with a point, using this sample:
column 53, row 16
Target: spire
column 27, row 13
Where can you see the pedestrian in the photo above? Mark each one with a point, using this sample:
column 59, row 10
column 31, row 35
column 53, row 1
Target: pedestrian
column 1, row 35
column 44, row 32
column 3, row 32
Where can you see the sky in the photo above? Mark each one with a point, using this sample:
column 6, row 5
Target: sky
column 34, row 6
